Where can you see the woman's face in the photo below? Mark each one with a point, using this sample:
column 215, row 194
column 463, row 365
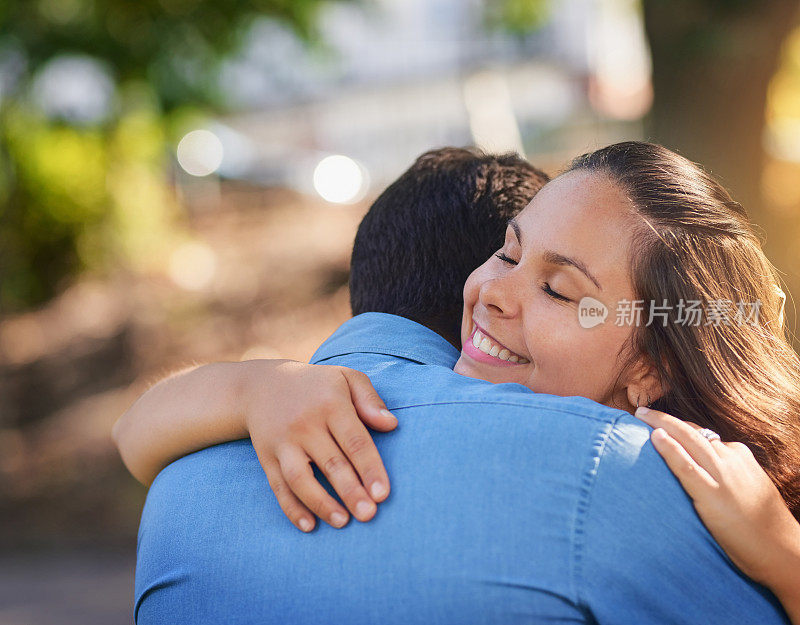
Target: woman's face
column 571, row 242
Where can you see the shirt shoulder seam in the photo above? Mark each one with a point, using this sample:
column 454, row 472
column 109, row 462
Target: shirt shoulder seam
column 372, row 350
column 510, row 403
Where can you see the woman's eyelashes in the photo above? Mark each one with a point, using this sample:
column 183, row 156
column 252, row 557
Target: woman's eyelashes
column 545, row 287
column 506, row 259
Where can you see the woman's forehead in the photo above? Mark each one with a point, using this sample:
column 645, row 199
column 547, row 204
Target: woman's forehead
column 584, row 216
column 594, row 191
column 578, row 200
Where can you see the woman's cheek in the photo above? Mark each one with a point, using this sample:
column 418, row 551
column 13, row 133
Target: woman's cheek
column 469, row 289
column 602, row 351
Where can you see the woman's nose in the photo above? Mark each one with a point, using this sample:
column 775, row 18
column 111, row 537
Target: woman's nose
column 497, row 295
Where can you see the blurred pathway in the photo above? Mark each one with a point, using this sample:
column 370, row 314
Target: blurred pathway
column 67, row 589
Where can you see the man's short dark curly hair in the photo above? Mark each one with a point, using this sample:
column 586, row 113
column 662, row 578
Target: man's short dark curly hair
column 431, row 228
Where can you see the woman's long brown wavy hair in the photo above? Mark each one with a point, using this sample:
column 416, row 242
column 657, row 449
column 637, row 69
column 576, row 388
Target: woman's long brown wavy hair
column 693, row 243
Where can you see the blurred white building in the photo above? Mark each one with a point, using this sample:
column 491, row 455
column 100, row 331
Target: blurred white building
column 394, row 78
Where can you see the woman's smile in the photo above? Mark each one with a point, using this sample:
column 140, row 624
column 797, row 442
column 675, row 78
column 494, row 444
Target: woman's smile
column 484, row 348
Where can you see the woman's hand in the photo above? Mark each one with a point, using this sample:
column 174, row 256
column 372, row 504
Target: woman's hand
column 297, row 414
column 736, row 500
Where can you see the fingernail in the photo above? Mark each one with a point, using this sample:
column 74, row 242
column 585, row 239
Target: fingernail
column 378, row 490
column 306, row 525
column 659, row 434
column 642, row 411
column 338, row 519
column 388, row 414
column 364, row 508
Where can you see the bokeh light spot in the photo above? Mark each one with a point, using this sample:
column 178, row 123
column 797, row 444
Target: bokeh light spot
column 192, row 266
column 340, row 179
column 200, row 153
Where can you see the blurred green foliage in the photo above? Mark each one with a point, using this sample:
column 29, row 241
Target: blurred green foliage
column 54, row 188
column 79, row 194
column 519, row 17
column 174, row 45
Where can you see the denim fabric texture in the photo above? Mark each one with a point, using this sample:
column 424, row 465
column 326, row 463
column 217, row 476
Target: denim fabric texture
column 507, row 506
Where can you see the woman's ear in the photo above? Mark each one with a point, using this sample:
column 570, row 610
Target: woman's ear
column 644, row 384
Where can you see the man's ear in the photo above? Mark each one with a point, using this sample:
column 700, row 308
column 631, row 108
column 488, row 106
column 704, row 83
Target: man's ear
column 645, row 384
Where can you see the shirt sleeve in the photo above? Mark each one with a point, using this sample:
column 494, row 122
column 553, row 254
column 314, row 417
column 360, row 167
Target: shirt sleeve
column 641, row 553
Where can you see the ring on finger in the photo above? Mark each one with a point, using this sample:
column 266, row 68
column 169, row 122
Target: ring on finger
column 710, row 435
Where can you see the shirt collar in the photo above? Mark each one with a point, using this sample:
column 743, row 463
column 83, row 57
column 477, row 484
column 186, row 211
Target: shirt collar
column 382, row 333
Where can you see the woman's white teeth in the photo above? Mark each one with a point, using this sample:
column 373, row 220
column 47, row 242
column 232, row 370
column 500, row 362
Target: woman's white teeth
column 476, row 339
column 488, row 347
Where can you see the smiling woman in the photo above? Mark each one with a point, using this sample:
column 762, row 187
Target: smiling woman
column 570, row 242
column 638, row 229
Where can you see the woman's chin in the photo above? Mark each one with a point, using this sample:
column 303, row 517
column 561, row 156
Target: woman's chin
column 462, row 368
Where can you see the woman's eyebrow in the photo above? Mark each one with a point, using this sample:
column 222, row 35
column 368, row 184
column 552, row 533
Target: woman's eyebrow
column 554, row 258
column 512, row 223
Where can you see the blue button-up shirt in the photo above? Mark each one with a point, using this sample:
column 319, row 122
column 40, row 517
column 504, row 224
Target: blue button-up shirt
column 507, row 506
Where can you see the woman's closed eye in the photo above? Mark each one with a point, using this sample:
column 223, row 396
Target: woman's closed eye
column 506, row 259
column 545, row 287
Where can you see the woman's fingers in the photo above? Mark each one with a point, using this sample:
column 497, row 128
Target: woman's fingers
column 694, row 478
column 327, row 455
column 357, row 444
column 296, row 470
column 697, row 446
column 292, row 507
column 368, row 404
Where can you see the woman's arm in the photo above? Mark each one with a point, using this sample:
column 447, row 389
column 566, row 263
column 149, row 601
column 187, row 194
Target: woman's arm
column 737, row 502
column 182, row 413
column 295, row 414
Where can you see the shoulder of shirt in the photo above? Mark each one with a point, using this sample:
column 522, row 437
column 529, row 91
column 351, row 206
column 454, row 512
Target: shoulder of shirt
column 460, row 389
column 389, row 335
column 467, row 391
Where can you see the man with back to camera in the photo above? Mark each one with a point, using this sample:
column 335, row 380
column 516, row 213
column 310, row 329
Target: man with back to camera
column 507, row 506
